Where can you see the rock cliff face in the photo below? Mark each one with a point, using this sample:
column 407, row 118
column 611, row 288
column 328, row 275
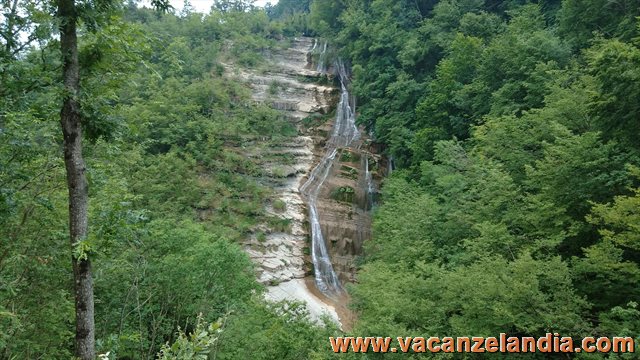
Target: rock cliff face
column 290, row 86
column 293, row 84
column 344, row 208
column 348, row 194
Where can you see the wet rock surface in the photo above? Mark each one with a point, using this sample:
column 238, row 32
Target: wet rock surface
column 300, row 89
column 291, row 87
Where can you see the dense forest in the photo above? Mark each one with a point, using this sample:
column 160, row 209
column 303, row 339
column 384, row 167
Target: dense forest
column 513, row 128
column 516, row 130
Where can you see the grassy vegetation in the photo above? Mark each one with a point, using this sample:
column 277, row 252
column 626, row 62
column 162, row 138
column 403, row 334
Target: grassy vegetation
column 279, row 205
column 344, row 194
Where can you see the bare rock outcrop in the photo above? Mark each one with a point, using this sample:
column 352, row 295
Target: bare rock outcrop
column 292, row 84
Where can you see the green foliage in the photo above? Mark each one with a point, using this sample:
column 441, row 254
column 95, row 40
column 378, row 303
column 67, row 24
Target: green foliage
column 348, row 156
column 621, row 320
column 171, row 188
column 36, row 301
column 291, row 16
column 512, row 209
column 213, row 276
column 106, row 59
column 324, row 16
column 268, row 331
column 348, row 172
column 278, row 224
column 447, row 243
column 274, row 88
column 344, row 194
column 279, row 205
column 195, row 346
column 516, row 64
column 579, row 20
column 233, row 5
column 615, row 66
column 288, row 7
column 611, row 263
column 574, row 172
column 620, row 218
column 605, row 267
column 446, row 109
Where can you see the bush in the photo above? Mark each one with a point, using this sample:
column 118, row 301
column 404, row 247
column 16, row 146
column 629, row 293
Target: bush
column 279, row 205
column 344, row 194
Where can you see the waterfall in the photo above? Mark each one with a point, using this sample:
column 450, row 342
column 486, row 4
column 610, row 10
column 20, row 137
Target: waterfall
column 369, row 185
column 322, row 67
column 344, row 133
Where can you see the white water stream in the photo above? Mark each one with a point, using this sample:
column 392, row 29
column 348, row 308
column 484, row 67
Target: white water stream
column 370, row 186
column 322, row 61
column 343, row 135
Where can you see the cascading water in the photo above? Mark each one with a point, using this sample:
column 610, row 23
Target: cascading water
column 345, row 130
column 322, row 61
column 344, row 133
column 369, row 185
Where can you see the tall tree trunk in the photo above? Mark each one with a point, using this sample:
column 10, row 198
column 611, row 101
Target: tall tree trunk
column 70, row 121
